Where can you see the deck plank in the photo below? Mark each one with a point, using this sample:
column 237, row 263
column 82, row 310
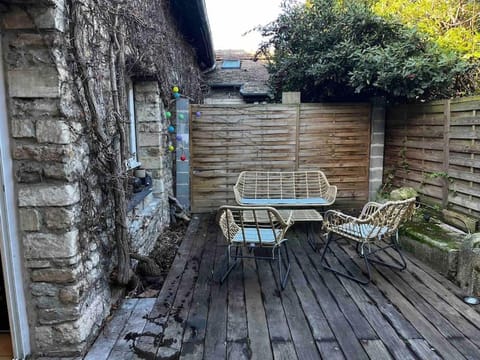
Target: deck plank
column 464, row 328
column 348, row 341
column 216, row 334
column 414, row 314
column 330, row 349
column 175, row 323
column 154, row 328
column 258, row 336
column 276, row 318
column 376, row 350
column 423, row 350
column 109, row 335
column 135, row 324
column 284, row 350
column 363, row 330
column 196, row 324
column 429, row 331
column 367, row 305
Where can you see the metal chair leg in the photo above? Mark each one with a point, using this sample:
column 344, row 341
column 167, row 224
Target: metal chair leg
column 230, row 264
column 344, row 274
column 395, row 246
column 283, row 279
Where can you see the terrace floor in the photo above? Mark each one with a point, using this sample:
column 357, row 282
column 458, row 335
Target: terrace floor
column 414, row 314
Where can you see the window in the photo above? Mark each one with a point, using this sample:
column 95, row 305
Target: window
column 132, row 160
column 231, row 64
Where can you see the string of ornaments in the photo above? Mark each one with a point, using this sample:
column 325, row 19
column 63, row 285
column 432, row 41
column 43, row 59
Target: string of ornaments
column 171, row 128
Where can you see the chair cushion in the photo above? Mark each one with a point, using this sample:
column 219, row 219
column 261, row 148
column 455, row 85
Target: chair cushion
column 299, row 201
column 251, row 236
column 362, row 231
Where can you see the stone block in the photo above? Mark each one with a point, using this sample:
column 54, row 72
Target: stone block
column 153, row 151
column 49, row 195
column 378, row 138
column 57, row 315
column 70, row 294
column 147, row 113
column 183, row 178
column 146, row 139
column 149, row 127
column 29, row 219
column 33, row 83
column 56, row 276
column 23, row 128
column 45, row 246
column 51, row 18
column 28, row 172
column 43, row 153
column 35, row 108
column 70, row 171
column 44, row 289
column 151, row 162
column 57, row 132
column 376, row 150
column 59, row 218
column 38, row 264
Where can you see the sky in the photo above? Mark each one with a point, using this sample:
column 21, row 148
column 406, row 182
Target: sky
column 229, row 19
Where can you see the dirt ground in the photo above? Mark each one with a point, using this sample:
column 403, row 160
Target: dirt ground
column 163, row 254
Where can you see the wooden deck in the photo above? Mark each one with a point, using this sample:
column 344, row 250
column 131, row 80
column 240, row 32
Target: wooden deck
column 414, row 314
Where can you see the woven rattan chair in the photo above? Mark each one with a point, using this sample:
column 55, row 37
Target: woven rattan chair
column 376, row 229
column 261, row 231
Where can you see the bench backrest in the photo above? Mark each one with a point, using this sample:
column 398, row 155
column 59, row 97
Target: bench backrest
column 286, row 188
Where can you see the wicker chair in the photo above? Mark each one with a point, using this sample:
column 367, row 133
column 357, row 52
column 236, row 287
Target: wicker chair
column 376, row 229
column 260, row 230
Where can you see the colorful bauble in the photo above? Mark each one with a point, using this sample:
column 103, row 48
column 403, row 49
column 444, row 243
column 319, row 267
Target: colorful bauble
column 198, row 114
column 171, row 148
column 179, row 137
column 171, row 129
column 176, row 95
column 183, row 157
column 181, row 116
column 175, row 89
column 168, row 114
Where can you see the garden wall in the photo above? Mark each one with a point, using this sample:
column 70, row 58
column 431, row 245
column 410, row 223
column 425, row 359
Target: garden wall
column 435, row 148
column 228, row 139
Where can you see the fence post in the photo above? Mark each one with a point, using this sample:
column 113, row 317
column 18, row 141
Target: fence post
column 446, row 151
column 377, row 145
column 294, row 99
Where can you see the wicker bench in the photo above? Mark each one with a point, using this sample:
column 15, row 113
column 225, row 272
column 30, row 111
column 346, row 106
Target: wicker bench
column 298, row 193
column 284, row 189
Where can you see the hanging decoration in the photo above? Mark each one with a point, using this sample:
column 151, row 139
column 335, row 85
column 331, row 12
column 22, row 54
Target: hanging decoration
column 178, row 137
column 183, row 157
column 181, row 117
column 198, row 114
column 168, row 114
column 171, row 148
column 171, row 129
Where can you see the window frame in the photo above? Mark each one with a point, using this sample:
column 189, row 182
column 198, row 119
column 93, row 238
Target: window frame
column 132, row 160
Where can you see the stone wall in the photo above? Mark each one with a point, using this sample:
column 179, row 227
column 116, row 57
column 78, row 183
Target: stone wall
column 69, row 252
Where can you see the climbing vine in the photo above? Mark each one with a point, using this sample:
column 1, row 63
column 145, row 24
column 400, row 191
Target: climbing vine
column 110, row 42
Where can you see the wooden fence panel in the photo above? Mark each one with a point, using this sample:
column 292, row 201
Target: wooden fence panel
column 336, row 139
column 228, row 139
column 435, row 147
